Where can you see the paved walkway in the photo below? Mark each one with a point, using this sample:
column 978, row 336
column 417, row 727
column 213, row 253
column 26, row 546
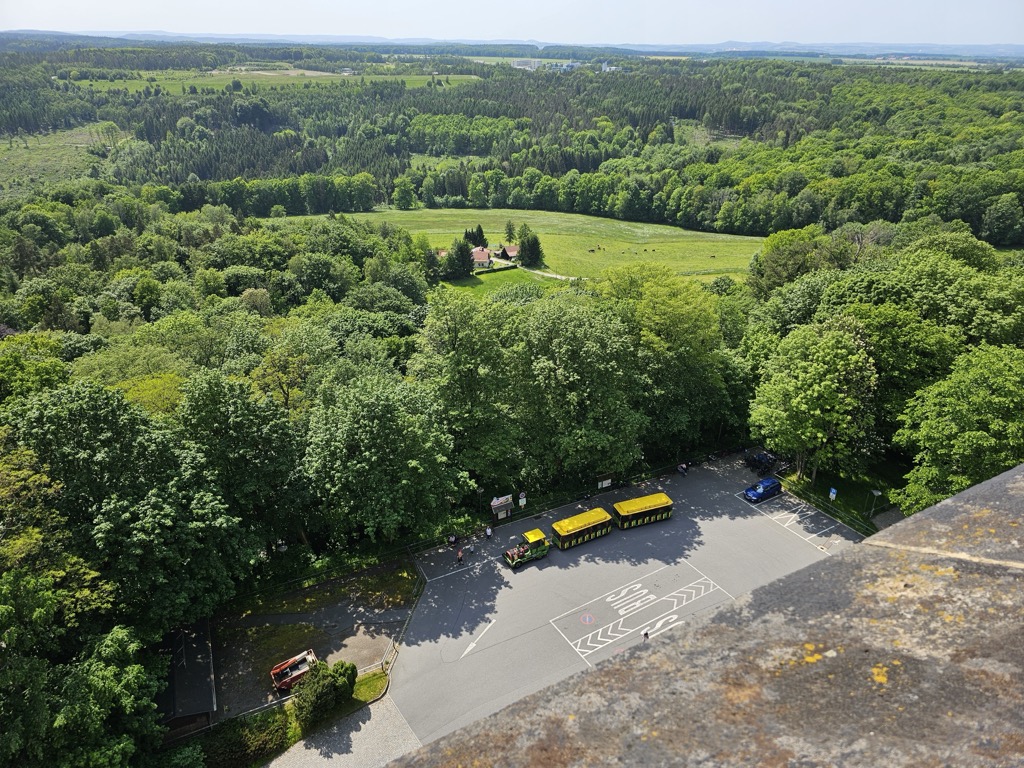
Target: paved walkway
column 369, row 738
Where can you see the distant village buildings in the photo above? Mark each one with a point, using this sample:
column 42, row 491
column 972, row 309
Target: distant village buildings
column 566, row 66
column 569, row 66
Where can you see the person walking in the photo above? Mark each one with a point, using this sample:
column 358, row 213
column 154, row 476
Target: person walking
column 646, row 636
column 472, row 548
column 488, row 532
column 459, row 555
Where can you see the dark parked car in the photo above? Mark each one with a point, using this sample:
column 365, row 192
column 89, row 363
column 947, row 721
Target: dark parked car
column 761, row 462
column 763, row 489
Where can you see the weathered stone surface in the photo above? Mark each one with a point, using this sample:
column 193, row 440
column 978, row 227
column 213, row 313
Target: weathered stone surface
column 907, row 650
column 985, row 522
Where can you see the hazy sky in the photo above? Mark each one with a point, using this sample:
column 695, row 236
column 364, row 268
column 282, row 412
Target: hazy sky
column 570, row 21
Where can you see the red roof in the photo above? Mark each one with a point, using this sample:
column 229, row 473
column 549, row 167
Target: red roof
column 481, row 254
column 512, row 250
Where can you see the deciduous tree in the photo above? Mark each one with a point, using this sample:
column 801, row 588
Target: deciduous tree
column 964, row 428
column 378, row 459
column 573, row 369
column 815, row 402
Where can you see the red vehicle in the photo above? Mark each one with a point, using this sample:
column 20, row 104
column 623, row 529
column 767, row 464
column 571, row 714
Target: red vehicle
column 288, row 673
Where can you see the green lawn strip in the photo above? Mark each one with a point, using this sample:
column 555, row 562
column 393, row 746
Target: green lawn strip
column 854, row 500
column 583, row 246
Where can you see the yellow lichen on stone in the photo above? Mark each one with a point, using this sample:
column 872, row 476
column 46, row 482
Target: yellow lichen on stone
column 880, row 674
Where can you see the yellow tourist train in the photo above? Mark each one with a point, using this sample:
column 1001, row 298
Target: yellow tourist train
column 591, row 524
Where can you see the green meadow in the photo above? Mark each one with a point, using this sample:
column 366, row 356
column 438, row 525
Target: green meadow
column 489, row 282
column 176, row 79
column 584, row 246
column 28, row 161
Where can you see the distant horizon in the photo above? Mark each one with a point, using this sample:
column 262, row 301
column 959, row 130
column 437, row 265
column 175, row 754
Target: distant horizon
column 573, row 22
column 869, row 47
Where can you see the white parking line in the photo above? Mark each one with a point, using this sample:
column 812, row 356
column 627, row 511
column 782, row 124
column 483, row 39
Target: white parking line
column 794, row 516
column 822, row 533
column 582, row 656
column 704, row 575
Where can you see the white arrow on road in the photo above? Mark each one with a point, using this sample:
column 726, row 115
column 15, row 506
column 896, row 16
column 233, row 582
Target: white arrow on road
column 472, row 645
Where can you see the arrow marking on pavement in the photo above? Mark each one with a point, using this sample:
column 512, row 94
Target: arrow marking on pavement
column 472, row 645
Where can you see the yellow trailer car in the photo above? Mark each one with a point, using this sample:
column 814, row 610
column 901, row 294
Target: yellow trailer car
column 646, row 509
column 580, row 528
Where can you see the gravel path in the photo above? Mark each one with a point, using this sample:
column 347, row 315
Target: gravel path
column 371, row 737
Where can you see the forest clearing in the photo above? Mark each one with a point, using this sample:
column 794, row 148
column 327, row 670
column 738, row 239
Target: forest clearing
column 584, row 246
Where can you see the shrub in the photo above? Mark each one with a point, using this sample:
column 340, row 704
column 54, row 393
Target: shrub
column 345, row 672
column 315, row 695
column 188, row 756
column 321, row 690
column 241, row 742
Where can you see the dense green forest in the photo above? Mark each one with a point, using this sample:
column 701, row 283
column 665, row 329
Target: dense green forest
column 737, row 146
column 194, row 370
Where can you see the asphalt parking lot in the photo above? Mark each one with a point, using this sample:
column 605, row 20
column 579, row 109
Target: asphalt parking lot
column 807, row 522
column 483, row 636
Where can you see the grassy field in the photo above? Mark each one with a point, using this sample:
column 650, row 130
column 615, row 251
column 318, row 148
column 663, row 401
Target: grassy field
column 430, row 162
column 583, row 246
column 175, row 79
column 38, row 159
column 492, row 281
column 914, row 63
